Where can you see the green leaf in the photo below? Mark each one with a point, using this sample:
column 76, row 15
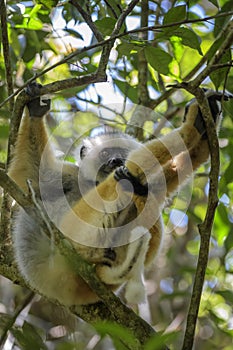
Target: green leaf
column 227, row 178
column 118, row 333
column 128, row 90
column 74, row 33
column 228, row 243
column 14, row 41
column 215, row 3
column 105, row 25
column 4, row 130
column 158, row 59
column 226, row 294
column 48, row 3
column 178, row 48
column 219, row 75
column 125, row 49
column 189, row 38
column 221, row 21
column 28, row 338
column 175, row 14
column 33, row 46
column 158, row 341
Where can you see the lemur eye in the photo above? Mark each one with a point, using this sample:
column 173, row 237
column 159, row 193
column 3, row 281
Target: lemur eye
column 104, row 154
column 83, row 150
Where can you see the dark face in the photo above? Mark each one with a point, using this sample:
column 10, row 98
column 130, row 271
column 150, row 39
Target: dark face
column 110, row 159
column 101, row 155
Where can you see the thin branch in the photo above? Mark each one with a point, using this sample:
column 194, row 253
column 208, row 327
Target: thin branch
column 139, row 116
column 206, row 226
column 6, row 51
column 9, row 185
column 87, row 18
column 6, row 201
column 109, row 44
column 111, row 8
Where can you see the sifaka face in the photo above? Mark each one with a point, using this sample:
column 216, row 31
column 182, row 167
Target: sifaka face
column 102, row 154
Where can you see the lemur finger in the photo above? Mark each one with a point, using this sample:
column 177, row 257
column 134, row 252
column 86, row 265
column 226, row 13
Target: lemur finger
column 39, row 105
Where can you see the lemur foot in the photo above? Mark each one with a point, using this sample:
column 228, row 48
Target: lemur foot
column 214, row 99
column 39, row 105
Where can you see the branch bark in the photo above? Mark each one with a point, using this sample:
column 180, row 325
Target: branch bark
column 6, row 202
column 206, row 227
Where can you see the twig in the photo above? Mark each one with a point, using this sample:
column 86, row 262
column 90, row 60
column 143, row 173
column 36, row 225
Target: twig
column 111, row 8
column 110, row 42
column 87, row 18
column 139, row 116
column 6, row 51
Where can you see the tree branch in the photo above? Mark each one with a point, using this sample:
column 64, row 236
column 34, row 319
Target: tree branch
column 6, row 51
column 6, row 201
column 206, row 227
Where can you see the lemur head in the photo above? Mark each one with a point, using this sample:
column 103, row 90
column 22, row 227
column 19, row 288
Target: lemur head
column 104, row 152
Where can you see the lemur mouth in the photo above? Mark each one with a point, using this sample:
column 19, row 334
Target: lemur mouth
column 111, row 165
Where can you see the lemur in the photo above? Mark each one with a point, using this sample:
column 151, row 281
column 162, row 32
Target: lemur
column 109, row 205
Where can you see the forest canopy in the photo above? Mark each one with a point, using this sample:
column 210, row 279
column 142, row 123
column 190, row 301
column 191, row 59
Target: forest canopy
column 132, row 65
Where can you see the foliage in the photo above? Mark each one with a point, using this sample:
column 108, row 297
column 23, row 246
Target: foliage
column 185, row 37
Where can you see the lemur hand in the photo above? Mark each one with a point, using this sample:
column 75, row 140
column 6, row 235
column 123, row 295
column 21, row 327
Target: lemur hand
column 39, row 105
column 122, row 173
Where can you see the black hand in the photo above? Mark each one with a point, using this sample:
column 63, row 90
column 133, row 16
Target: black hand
column 39, row 105
column 122, row 173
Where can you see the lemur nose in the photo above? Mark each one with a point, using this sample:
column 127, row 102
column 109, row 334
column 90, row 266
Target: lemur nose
column 115, row 162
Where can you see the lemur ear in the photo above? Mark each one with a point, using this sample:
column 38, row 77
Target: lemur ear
column 83, row 152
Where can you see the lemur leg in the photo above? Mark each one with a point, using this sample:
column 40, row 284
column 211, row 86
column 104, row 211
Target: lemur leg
column 31, row 142
column 33, row 154
column 176, row 171
column 149, row 159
